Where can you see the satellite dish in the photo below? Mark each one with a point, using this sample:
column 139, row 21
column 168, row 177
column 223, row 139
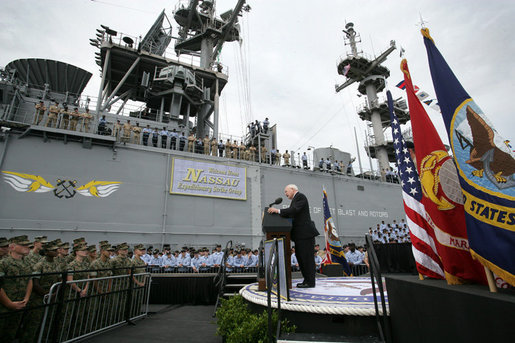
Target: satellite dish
column 128, row 40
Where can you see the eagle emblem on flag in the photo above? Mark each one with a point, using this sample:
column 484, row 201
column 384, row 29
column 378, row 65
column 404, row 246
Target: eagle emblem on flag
column 482, row 155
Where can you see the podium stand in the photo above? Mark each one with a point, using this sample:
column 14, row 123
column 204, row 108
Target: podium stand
column 275, row 226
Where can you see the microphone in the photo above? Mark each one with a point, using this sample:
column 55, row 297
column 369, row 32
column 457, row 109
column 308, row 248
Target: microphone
column 276, row 202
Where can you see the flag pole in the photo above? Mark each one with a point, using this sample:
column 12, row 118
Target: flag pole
column 359, row 155
column 491, row 281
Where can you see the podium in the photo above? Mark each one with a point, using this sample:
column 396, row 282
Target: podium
column 275, row 226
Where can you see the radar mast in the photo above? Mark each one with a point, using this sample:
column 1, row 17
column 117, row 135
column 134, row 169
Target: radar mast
column 371, row 77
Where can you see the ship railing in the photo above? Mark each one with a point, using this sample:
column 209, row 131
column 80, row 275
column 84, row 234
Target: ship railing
column 349, row 55
column 71, row 310
column 181, row 5
column 63, row 121
column 359, row 269
column 382, row 320
column 188, row 58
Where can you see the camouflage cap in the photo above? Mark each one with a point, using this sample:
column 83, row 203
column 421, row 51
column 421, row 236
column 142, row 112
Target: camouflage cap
column 20, row 240
column 108, row 247
column 52, row 245
column 103, row 243
column 3, row 242
column 123, row 246
column 78, row 240
column 64, row 245
column 139, row 247
column 92, row 248
column 41, row 239
column 80, row 247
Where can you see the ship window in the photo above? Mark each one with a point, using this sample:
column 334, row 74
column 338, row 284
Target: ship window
column 361, row 188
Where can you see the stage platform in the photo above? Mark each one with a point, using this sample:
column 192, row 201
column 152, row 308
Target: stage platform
column 337, row 305
column 332, row 295
column 432, row 311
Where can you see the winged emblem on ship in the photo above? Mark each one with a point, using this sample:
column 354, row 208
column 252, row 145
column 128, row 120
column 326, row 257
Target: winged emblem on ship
column 63, row 189
column 99, row 189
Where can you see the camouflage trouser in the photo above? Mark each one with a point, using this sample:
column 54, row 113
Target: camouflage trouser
column 138, row 294
column 100, row 314
column 12, row 326
column 118, row 300
column 74, row 316
column 36, row 316
column 102, row 311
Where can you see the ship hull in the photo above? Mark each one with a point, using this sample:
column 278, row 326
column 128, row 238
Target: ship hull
column 140, row 207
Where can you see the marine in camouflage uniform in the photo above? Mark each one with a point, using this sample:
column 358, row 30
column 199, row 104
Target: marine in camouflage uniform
column 70, row 257
column 16, row 291
column 102, row 300
column 63, row 253
column 43, row 283
column 139, row 281
column 34, row 257
column 4, row 247
column 121, row 265
column 92, row 253
column 75, row 311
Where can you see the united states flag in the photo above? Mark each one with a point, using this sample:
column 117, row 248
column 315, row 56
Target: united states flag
column 424, row 248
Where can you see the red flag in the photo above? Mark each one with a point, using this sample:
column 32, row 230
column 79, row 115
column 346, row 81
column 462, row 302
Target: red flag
column 442, row 196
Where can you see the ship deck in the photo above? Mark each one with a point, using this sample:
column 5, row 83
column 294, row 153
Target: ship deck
column 167, row 323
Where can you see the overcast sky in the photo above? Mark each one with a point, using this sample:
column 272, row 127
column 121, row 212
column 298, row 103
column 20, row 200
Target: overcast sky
column 290, row 52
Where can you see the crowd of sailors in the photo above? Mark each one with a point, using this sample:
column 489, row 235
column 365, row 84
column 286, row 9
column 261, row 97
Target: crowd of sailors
column 394, row 232
column 63, row 117
column 71, row 119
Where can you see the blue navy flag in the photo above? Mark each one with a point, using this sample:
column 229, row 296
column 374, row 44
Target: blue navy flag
column 334, row 249
column 422, row 234
column 486, row 168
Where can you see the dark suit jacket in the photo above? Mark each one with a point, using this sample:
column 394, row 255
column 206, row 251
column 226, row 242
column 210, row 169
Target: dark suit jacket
column 302, row 226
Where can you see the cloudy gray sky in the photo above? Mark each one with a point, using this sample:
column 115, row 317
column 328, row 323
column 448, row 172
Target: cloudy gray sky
column 288, row 59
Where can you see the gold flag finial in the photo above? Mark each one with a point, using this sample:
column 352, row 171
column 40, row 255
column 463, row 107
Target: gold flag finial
column 425, row 33
column 404, row 68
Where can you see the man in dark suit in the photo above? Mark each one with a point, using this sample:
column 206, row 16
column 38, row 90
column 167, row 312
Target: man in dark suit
column 303, row 233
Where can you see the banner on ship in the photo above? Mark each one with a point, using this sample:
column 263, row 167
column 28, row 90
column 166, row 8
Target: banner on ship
column 198, row 178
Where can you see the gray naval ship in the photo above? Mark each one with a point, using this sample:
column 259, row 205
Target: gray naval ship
column 67, row 175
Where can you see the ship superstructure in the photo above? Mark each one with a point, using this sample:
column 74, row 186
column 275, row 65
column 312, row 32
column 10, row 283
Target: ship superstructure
column 371, row 78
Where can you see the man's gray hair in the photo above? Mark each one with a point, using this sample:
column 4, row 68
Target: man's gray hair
column 292, row 186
